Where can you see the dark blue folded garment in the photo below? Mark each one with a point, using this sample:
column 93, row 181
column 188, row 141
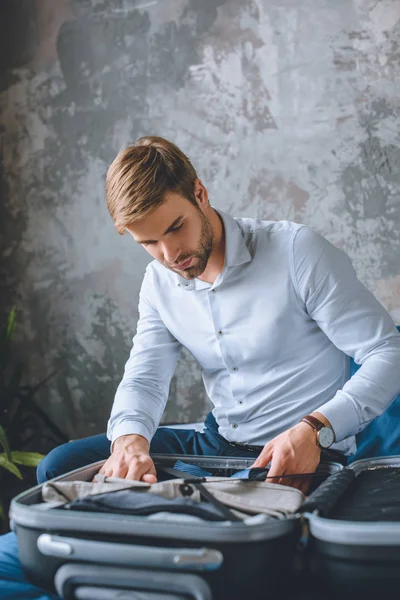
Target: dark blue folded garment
column 128, row 502
column 252, row 474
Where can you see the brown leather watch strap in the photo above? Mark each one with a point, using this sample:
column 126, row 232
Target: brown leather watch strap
column 314, row 422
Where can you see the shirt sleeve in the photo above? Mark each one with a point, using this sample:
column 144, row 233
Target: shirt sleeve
column 353, row 319
column 143, row 392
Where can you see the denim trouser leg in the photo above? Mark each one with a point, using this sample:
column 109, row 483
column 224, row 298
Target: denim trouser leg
column 73, row 455
column 13, row 584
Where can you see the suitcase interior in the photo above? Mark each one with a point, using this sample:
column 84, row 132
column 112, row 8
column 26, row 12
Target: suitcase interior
column 258, row 560
column 351, row 559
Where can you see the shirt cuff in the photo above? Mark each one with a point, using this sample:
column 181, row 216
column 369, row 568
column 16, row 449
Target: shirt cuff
column 342, row 415
column 129, row 428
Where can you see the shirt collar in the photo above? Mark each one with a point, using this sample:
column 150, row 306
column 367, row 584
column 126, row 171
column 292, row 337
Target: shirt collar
column 236, row 253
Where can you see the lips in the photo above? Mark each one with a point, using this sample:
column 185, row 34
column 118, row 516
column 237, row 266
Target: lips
column 184, row 265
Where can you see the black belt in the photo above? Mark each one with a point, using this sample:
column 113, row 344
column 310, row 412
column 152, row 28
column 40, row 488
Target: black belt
column 246, row 446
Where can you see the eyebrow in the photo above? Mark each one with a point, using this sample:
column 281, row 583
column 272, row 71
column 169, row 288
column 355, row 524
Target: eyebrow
column 168, row 230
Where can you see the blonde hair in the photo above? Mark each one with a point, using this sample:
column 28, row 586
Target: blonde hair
column 140, row 176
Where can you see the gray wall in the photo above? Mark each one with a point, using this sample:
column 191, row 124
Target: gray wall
column 289, row 110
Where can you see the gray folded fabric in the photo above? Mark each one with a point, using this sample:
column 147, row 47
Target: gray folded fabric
column 248, row 497
column 256, row 497
column 67, row 491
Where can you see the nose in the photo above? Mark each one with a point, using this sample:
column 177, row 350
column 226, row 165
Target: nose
column 171, row 253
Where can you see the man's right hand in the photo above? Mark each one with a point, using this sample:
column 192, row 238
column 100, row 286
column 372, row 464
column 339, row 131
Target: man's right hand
column 130, row 459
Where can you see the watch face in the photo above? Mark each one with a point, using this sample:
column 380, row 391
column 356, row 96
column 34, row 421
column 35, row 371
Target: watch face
column 326, row 437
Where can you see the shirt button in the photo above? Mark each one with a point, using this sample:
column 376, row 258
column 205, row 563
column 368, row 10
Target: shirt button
column 220, row 331
column 235, row 369
column 234, row 426
column 213, row 290
column 240, row 401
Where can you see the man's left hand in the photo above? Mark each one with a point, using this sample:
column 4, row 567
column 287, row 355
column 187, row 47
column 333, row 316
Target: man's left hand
column 292, row 452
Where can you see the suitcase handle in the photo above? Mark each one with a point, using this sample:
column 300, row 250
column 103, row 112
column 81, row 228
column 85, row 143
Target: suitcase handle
column 72, row 580
column 198, row 559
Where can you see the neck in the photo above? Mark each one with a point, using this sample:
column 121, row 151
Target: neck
column 217, row 257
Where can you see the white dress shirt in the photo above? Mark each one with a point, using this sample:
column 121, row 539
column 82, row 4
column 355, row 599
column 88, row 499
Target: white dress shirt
column 272, row 335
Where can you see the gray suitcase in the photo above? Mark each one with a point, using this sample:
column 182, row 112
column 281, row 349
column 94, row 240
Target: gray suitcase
column 83, row 554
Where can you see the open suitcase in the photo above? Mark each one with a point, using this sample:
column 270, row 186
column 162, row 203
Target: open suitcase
column 97, row 556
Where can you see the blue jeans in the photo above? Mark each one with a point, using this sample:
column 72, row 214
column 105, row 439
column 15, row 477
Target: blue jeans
column 76, row 454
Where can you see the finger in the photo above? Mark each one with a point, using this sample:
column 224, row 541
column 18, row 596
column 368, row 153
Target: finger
column 299, row 483
column 288, row 481
column 140, row 467
column 106, row 472
column 263, row 458
column 279, row 479
column 149, row 478
column 106, row 469
column 304, row 487
column 135, row 472
column 276, row 470
column 119, row 470
column 151, row 474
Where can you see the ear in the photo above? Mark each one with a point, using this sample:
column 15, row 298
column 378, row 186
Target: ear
column 201, row 194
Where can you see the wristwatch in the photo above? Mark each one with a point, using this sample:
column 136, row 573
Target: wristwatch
column 325, row 434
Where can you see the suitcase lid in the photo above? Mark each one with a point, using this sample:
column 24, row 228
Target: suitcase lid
column 352, row 533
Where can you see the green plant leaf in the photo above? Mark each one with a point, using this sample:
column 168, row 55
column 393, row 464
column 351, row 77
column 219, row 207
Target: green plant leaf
column 28, row 459
column 4, row 443
column 9, row 466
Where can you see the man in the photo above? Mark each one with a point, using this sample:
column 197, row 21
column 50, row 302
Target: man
column 270, row 310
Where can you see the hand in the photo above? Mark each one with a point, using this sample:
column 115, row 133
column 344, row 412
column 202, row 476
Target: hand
column 293, row 451
column 130, row 459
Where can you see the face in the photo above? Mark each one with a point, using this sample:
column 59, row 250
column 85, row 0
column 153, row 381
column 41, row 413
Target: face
column 177, row 234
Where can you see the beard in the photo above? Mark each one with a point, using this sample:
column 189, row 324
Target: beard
column 202, row 253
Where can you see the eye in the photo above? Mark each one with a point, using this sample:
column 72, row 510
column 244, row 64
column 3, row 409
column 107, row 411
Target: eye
column 177, row 228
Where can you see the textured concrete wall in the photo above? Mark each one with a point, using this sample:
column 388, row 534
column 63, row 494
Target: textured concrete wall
column 289, row 110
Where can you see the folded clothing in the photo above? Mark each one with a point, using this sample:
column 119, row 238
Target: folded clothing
column 245, row 497
column 129, row 502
